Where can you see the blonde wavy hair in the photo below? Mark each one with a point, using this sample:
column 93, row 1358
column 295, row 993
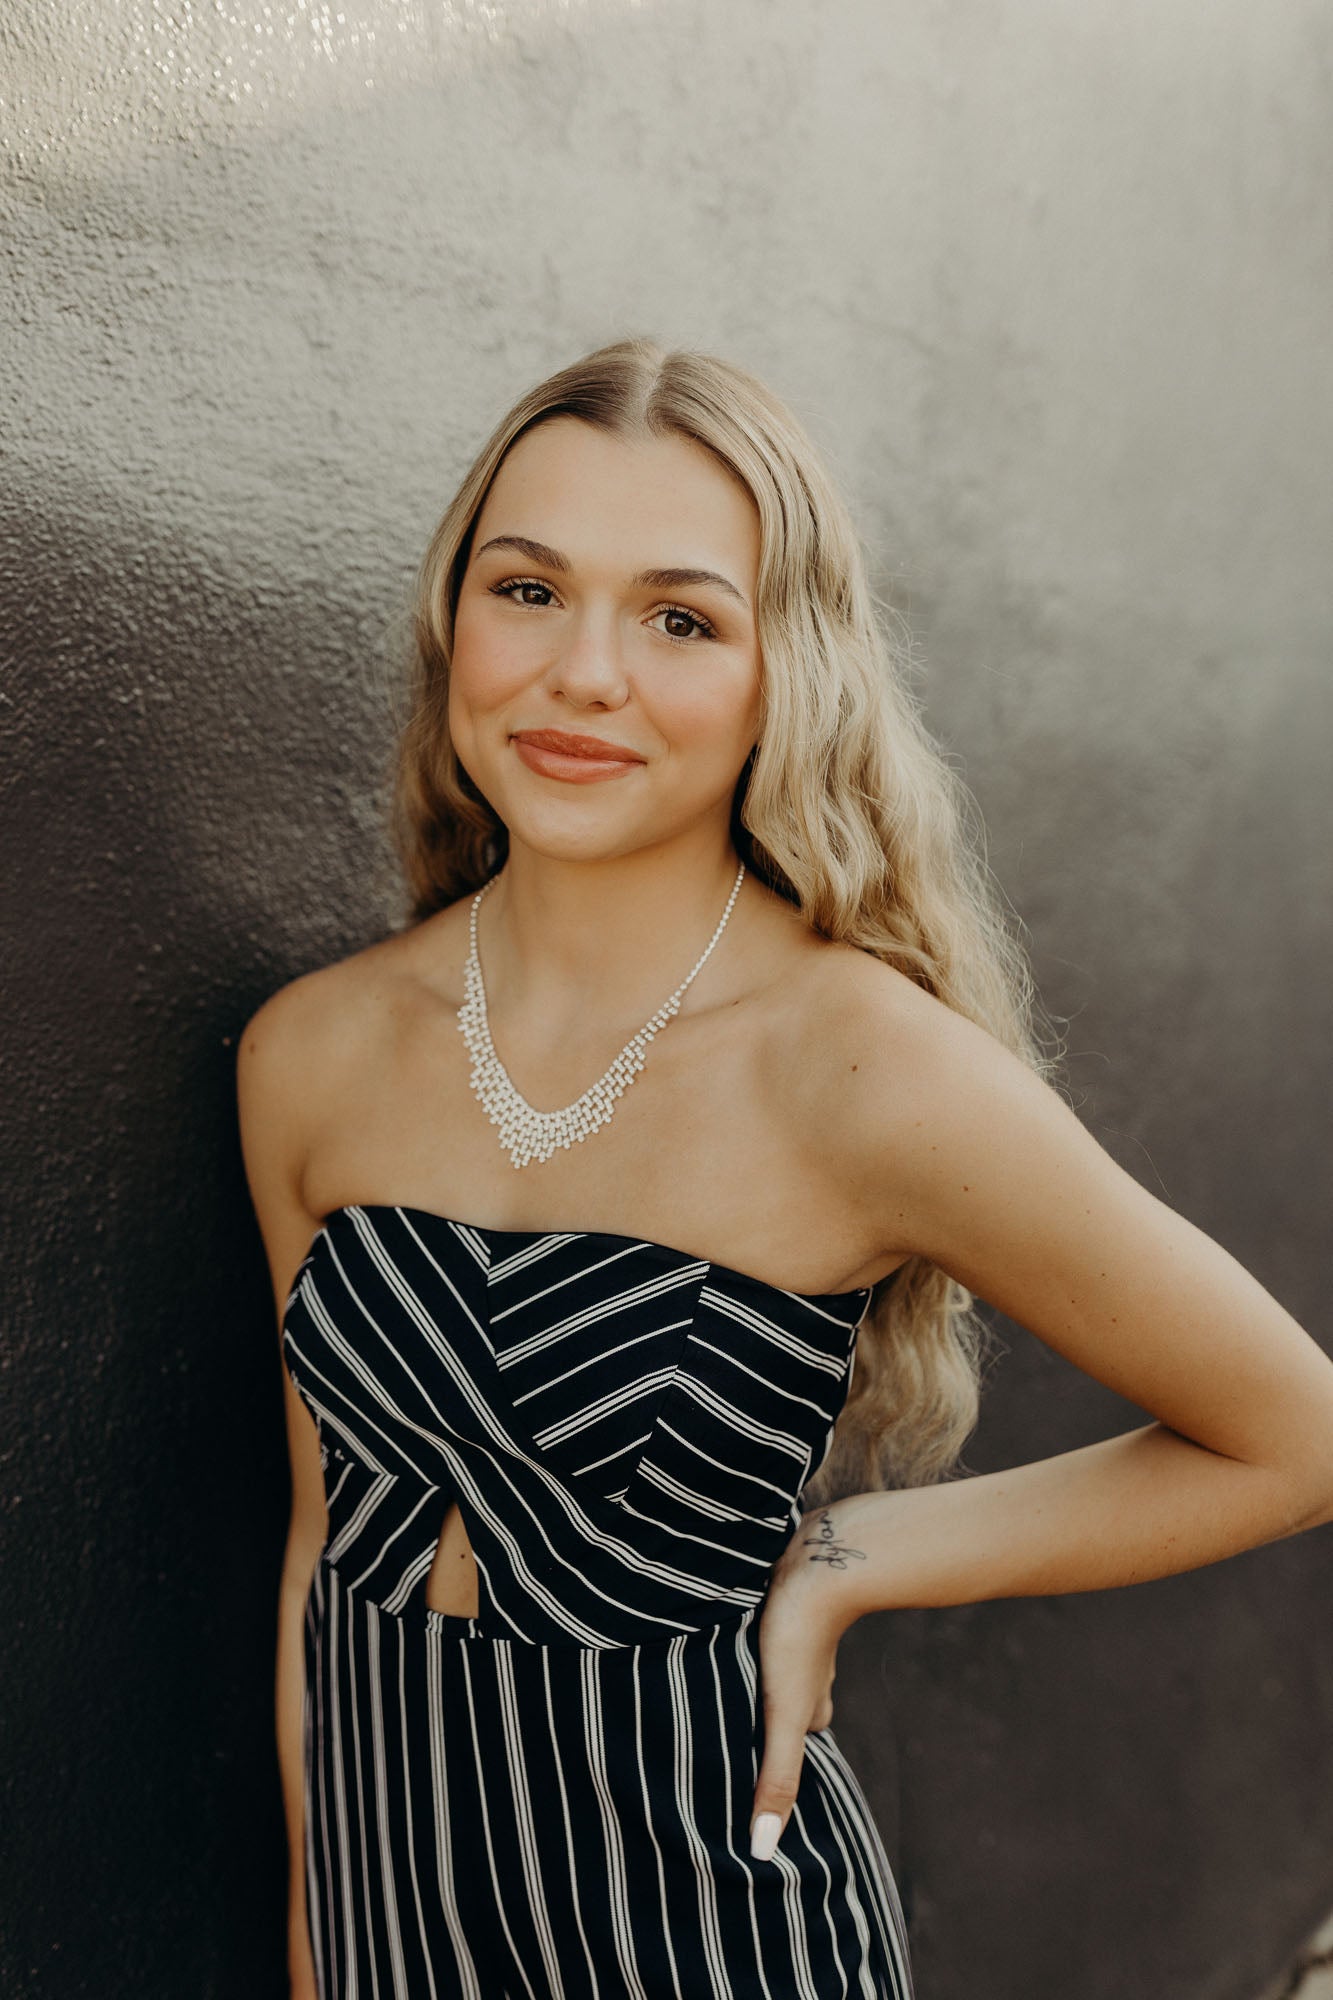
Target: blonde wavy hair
column 846, row 807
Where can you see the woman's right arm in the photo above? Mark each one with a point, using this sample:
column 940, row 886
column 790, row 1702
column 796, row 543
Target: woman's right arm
column 269, row 1095
column 305, row 1539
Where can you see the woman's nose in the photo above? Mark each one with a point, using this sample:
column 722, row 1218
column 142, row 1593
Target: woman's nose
column 589, row 664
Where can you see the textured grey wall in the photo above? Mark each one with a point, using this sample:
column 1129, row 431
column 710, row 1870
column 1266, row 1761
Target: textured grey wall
column 1052, row 283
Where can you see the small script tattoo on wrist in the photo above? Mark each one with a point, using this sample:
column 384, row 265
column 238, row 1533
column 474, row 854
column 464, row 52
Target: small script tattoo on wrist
column 824, row 1546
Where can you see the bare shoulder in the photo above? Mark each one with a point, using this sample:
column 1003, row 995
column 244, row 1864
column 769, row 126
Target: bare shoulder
column 855, row 1029
column 323, row 1015
column 889, row 1086
column 296, row 1034
column 297, row 1056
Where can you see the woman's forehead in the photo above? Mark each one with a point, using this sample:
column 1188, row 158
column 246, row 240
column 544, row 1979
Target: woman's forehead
column 651, row 500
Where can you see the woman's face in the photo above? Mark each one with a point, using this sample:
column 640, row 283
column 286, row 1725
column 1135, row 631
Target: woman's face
column 609, row 595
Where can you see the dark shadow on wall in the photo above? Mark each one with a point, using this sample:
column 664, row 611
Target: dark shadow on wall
column 187, row 785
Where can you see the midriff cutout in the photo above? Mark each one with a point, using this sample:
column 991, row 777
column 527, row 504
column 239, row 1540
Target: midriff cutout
column 451, row 1586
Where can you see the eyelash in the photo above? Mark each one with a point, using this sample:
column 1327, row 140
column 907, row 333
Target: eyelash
column 513, row 583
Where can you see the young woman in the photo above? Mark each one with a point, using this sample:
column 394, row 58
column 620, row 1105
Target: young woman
column 705, row 1067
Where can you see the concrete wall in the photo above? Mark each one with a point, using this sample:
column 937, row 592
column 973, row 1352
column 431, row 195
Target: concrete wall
column 1052, row 283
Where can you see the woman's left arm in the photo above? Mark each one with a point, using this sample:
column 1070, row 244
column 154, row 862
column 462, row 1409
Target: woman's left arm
column 978, row 1165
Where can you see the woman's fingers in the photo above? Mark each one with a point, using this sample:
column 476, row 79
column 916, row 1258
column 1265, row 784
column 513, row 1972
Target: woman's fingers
column 779, row 1775
column 798, row 1661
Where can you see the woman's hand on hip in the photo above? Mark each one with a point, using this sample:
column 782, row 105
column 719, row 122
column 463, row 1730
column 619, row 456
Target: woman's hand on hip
column 807, row 1609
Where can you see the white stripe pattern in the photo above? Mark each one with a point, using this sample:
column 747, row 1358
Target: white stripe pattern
column 549, row 1799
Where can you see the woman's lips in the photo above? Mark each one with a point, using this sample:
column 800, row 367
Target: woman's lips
column 575, row 766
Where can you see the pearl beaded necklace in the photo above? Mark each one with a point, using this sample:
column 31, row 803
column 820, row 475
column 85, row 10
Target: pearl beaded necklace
column 529, row 1134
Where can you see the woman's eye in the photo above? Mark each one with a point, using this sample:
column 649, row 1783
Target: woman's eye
column 515, row 588
column 676, row 615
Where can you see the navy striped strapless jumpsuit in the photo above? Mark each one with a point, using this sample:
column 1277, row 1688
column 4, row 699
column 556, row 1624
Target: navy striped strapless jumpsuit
column 550, row 1800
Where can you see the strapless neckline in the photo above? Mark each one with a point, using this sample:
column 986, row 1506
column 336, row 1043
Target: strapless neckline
column 857, row 1293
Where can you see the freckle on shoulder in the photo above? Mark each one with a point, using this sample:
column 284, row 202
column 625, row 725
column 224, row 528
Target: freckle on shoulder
column 855, row 993
column 319, row 1011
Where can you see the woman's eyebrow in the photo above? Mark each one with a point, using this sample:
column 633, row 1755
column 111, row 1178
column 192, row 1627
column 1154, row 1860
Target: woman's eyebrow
column 652, row 579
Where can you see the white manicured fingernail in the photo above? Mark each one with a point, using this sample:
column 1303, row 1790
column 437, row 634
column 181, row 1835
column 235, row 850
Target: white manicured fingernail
column 764, row 1835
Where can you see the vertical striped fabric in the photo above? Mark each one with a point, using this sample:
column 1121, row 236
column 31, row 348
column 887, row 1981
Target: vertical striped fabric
column 551, row 1799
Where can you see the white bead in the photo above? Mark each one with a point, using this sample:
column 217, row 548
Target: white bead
column 525, row 1132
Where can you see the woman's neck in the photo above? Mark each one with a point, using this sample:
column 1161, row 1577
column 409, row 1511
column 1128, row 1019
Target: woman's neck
column 560, row 939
